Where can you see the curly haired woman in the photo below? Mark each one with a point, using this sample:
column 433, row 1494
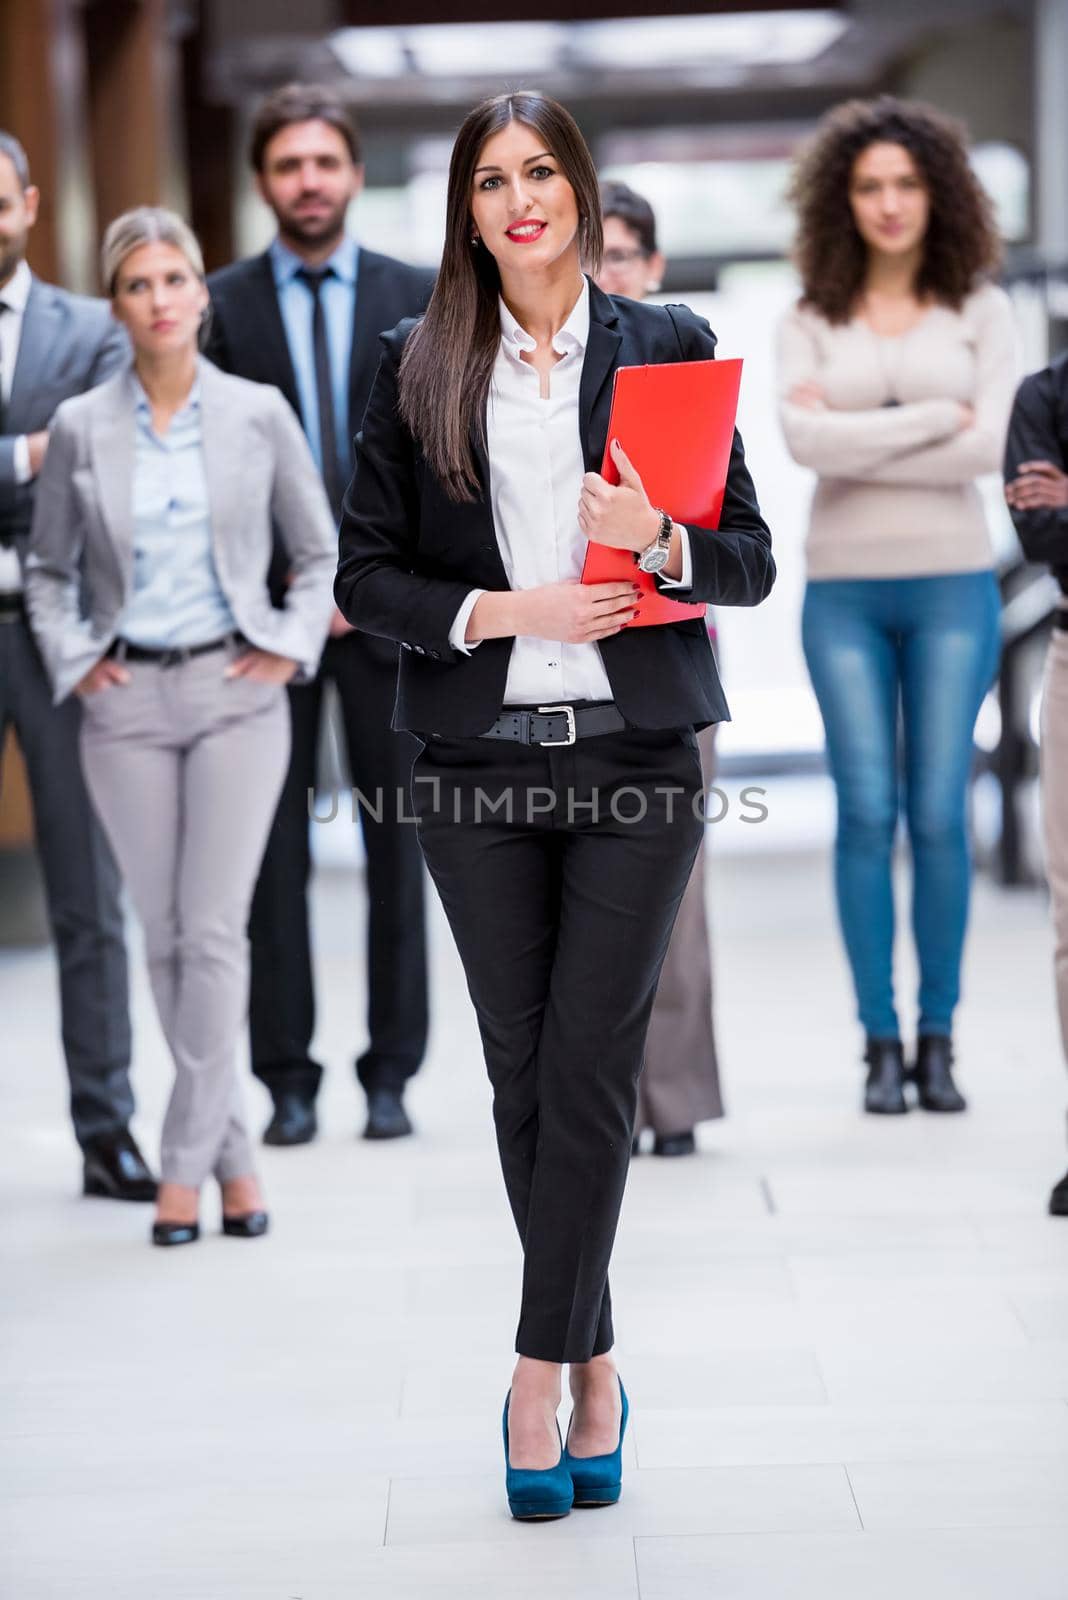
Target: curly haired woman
column 897, row 369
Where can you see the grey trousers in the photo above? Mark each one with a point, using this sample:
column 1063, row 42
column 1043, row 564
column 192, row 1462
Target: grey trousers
column 185, row 768
column 1054, row 768
column 679, row 1085
column 82, row 890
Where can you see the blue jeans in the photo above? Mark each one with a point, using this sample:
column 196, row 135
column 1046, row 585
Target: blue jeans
column 927, row 649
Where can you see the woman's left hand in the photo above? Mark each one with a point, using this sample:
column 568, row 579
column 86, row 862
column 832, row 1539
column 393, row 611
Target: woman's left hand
column 617, row 514
column 262, row 666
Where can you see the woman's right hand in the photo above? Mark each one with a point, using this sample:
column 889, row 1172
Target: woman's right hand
column 102, row 676
column 575, row 613
column 967, row 417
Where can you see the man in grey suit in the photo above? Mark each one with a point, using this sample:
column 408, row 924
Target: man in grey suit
column 54, row 345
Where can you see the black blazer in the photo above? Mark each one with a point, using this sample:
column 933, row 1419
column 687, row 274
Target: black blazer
column 248, row 337
column 409, row 555
column 1038, row 431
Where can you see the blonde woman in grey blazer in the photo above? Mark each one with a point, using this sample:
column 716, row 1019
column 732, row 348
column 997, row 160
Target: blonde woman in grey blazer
column 146, row 584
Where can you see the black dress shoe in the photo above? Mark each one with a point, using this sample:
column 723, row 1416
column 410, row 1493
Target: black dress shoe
column 251, row 1225
column 675, row 1144
column 884, row 1092
column 168, row 1233
column 386, row 1116
column 294, row 1120
column 1058, row 1200
column 933, row 1077
column 115, row 1169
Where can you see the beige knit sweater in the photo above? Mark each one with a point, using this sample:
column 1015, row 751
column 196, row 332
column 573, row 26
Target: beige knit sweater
column 896, row 495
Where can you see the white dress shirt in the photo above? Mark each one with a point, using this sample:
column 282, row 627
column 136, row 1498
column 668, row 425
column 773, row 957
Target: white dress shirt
column 14, row 294
column 536, row 471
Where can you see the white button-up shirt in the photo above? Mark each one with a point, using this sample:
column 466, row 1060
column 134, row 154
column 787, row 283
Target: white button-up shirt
column 536, row 471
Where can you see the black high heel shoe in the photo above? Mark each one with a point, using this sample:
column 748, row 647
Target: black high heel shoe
column 250, row 1225
column 168, row 1233
column 884, row 1092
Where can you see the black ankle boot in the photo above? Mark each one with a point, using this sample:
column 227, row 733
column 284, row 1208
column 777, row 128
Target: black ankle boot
column 934, row 1080
column 884, row 1092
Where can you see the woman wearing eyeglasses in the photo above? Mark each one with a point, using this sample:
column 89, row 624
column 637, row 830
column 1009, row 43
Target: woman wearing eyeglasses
column 680, row 1079
column 557, row 783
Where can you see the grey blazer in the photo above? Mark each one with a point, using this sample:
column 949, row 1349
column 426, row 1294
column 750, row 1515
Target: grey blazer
column 259, row 470
column 69, row 344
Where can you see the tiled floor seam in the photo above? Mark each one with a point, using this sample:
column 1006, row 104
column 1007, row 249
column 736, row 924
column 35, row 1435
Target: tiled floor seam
column 853, row 1494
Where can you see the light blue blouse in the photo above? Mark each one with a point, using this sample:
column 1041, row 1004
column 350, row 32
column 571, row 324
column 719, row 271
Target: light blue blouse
column 176, row 597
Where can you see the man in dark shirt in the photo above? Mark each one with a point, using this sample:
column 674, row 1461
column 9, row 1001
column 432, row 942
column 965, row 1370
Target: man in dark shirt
column 1036, row 489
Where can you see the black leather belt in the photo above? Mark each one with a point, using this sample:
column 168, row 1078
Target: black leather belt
column 123, row 650
column 12, row 605
column 547, row 725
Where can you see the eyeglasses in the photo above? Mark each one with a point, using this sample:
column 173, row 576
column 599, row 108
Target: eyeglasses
column 623, row 258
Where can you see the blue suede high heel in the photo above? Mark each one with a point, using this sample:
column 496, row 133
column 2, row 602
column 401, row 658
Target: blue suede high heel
column 598, row 1480
column 536, row 1496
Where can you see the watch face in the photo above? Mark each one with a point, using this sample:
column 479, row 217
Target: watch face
column 653, row 560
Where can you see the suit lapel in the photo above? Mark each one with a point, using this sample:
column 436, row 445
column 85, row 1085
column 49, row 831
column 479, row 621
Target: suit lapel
column 270, row 330
column 595, row 392
column 224, row 462
column 41, row 348
column 112, row 454
column 366, row 326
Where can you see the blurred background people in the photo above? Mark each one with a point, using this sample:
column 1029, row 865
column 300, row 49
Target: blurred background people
column 54, row 345
column 679, row 1085
column 147, row 590
column 897, row 370
column 1036, row 489
column 306, row 316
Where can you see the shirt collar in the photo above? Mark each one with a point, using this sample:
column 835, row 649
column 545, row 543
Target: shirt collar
column 16, row 291
column 285, row 263
column 574, row 335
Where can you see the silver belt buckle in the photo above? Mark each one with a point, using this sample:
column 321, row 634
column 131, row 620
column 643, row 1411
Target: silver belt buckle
column 569, row 713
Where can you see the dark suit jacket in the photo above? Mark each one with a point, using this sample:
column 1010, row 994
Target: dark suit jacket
column 248, row 336
column 69, row 344
column 1038, row 431
column 409, row 555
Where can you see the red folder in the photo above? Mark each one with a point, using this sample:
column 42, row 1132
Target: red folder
column 676, row 424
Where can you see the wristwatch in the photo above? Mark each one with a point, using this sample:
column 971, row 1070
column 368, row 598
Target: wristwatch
column 655, row 556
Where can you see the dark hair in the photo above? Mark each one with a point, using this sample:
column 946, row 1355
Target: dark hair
column 10, row 147
column 301, row 102
column 620, row 200
column 961, row 244
column 448, row 360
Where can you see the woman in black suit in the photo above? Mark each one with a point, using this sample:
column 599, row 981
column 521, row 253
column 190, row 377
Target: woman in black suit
column 557, row 784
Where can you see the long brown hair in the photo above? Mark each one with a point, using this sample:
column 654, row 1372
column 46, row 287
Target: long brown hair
column 448, row 361
column 961, row 243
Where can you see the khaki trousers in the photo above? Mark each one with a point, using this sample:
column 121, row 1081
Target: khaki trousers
column 679, row 1085
column 185, row 768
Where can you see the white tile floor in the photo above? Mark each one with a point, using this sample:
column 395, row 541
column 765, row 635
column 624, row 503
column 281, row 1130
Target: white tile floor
column 846, row 1340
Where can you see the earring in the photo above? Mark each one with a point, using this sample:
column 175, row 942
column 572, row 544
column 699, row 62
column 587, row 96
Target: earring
column 475, row 241
column 652, row 286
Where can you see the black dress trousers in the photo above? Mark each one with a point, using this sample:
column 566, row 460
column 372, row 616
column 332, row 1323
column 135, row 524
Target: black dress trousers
column 282, row 994
column 561, row 871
